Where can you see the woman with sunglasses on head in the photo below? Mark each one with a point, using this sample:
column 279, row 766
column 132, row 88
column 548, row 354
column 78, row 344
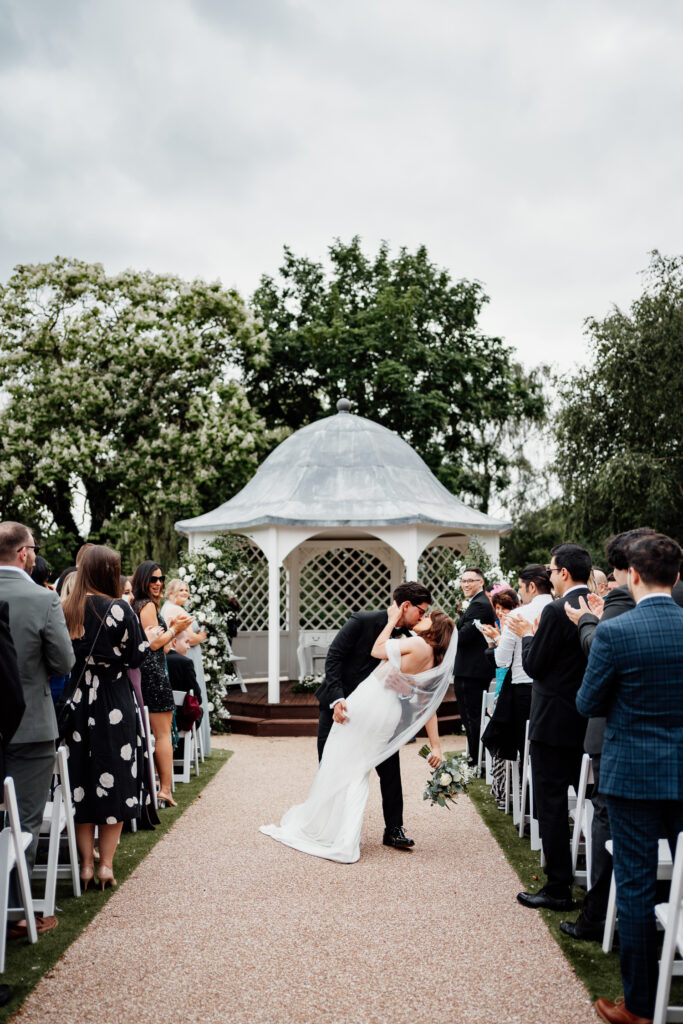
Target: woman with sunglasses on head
column 148, row 585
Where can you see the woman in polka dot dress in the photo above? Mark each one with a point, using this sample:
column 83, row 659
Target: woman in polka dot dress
column 107, row 756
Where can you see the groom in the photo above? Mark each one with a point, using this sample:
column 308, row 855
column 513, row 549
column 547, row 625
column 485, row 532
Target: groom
column 348, row 663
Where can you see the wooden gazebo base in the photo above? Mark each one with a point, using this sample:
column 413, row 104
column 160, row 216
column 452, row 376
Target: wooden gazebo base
column 297, row 713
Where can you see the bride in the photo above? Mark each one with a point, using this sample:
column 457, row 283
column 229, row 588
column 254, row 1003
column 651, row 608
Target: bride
column 386, row 710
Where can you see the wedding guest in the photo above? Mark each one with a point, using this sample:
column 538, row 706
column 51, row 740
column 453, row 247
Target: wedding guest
column 148, row 583
column 63, row 576
column 635, row 677
column 107, row 757
column 553, row 658
column 590, row 923
column 611, row 582
column 534, row 595
column 43, row 648
column 600, row 581
column 126, row 589
column 181, row 673
column 472, row 673
column 177, row 593
column 40, row 573
column 12, row 703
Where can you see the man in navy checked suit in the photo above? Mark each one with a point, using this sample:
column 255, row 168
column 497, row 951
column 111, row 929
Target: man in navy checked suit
column 635, row 677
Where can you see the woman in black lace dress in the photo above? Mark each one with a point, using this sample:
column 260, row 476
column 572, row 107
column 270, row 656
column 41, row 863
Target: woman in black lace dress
column 107, row 756
column 148, row 585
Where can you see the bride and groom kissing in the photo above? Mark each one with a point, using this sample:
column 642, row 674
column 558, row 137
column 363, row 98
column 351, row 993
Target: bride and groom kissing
column 386, row 674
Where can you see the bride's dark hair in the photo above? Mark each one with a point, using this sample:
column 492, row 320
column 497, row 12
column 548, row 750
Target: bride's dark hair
column 439, row 636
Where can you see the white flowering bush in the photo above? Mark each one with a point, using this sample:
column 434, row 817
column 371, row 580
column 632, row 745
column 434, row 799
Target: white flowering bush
column 214, row 575
column 476, row 555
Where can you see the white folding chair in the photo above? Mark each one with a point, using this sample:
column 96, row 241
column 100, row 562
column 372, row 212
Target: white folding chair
column 582, row 816
column 483, row 755
column 528, row 788
column 512, row 784
column 664, row 871
column 670, row 918
column 13, row 846
column 58, row 821
column 149, row 744
column 189, row 738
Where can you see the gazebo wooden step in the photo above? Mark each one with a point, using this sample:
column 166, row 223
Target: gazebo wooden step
column 252, row 726
column 297, row 713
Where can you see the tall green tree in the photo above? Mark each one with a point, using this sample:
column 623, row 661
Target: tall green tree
column 400, row 339
column 122, row 401
column 620, row 427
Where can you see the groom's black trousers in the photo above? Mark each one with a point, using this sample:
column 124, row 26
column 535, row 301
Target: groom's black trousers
column 389, row 772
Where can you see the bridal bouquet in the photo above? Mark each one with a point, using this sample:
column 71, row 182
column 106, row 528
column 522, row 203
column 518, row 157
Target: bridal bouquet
column 450, row 778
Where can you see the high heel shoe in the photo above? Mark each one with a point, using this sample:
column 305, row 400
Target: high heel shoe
column 105, row 876
column 87, row 876
column 165, row 801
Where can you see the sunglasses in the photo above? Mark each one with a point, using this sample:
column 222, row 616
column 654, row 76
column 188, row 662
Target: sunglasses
column 157, row 579
column 36, row 548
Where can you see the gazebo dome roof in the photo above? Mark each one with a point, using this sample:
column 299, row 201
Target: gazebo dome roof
column 343, row 470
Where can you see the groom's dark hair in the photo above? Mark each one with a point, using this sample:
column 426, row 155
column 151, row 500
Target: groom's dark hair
column 413, row 592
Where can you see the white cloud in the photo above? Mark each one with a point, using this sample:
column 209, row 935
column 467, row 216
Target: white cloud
column 534, row 147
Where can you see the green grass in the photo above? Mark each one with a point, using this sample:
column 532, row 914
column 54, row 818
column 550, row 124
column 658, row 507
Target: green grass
column 26, row 964
column 598, row 971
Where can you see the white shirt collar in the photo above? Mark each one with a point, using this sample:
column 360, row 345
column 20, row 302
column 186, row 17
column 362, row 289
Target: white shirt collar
column 577, row 586
column 658, row 593
column 16, row 568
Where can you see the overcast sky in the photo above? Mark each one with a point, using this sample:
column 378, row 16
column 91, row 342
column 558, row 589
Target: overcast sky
column 533, row 145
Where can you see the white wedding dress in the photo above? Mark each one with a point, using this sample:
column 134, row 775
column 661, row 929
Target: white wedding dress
column 380, row 721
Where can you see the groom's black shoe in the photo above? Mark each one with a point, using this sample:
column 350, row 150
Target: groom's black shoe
column 396, row 837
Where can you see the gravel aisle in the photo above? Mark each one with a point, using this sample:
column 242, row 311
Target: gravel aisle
column 221, row 924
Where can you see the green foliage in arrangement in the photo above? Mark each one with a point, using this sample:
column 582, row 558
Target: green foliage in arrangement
column 620, row 428
column 122, row 397
column 399, row 338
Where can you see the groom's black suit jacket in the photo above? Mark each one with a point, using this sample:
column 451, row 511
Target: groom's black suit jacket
column 348, row 660
column 347, row 664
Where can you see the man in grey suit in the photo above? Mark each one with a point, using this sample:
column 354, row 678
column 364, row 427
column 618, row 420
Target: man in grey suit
column 43, row 647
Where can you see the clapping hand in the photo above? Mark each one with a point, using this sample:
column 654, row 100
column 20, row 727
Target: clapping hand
column 492, row 633
column 521, row 626
column 182, row 621
column 595, row 605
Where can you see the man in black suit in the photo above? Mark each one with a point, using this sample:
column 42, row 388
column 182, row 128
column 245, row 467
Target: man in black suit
column 347, row 664
column 554, row 660
column 473, row 673
column 590, row 923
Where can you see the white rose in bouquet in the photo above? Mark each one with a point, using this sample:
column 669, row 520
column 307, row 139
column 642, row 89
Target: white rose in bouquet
column 445, row 779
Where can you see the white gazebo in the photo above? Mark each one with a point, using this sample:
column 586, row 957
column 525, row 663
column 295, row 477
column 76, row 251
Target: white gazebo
column 336, row 516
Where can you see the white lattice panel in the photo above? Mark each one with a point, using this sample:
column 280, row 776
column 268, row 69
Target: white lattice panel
column 433, row 572
column 253, row 592
column 337, row 582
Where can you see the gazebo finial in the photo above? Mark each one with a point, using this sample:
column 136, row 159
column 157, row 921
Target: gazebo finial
column 343, row 405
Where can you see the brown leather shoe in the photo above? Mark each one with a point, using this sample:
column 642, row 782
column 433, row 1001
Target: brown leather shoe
column 43, row 924
column 616, row 1013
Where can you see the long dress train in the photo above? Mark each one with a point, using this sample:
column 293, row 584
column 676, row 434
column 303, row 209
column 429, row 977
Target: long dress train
column 384, row 711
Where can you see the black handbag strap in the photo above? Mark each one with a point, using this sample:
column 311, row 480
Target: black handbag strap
column 66, row 706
